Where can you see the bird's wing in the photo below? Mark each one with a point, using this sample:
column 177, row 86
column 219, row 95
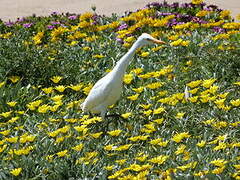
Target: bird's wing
column 98, row 94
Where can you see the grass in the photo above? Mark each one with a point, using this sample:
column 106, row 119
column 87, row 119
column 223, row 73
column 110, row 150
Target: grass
column 180, row 104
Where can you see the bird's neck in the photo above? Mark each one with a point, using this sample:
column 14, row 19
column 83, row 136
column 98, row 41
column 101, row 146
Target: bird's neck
column 123, row 63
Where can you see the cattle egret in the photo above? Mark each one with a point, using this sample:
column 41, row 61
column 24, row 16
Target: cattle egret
column 108, row 89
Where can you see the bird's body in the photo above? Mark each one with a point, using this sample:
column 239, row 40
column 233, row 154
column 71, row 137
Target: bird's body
column 108, row 89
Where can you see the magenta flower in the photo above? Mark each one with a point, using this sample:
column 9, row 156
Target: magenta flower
column 72, row 17
column 27, row 25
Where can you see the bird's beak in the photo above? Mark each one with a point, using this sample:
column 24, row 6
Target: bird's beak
column 158, row 41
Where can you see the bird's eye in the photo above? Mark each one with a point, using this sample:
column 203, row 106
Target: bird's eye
column 148, row 39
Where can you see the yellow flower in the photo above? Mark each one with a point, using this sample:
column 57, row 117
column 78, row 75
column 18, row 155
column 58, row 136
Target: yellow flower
column 136, row 138
column 127, row 79
column 159, row 159
column 78, row 147
column 87, row 89
column 219, row 162
column 114, row 132
column 38, row 38
column 43, row 109
column 202, row 13
column 158, row 121
column 60, row 139
column 137, row 70
column 187, row 166
column 109, row 168
column 145, row 106
column 86, row 15
column 12, row 103
column 96, row 135
column 98, row 56
column 62, row 153
column 201, row 173
column 145, row 54
column 56, row 79
column 180, row 149
column 208, row 83
column 6, row 35
column 14, row 79
column 109, row 147
column 180, row 115
column 237, row 166
column 194, row 84
column 16, row 171
column 6, row 114
column 185, row 43
column 193, row 91
column 3, row 148
column 179, row 137
column 197, row 1
column 138, row 90
column 193, row 99
column 76, row 87
column 82, row 128
column 177, row 42
column 73, row 43
column 2, row 84
column 27, row 138
column 133, row 97
column 141, row 158
column 60, row 88
column 57, row 98
column 235, row 102
column 12, row 139
column 23, row 151
column 155, row 85
column 48, row 90
column 86, row 48
column 236, row 83
column 126, row 115
column 162, row 93
column 123, row 147
column 5, row 132
column 201, row 143
column 224, row 13
column 158, row 110
column 218, row 170
column 220, row 146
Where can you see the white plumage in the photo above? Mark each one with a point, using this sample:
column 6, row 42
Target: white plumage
column 108, row 89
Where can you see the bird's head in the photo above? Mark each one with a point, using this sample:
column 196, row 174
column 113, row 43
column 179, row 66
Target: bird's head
column 146, row 39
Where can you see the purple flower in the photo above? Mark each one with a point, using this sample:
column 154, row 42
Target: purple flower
column 50, row 27
column 27, row 25
column 174, row 5
column 55, row 23
column 54, row 13
column 153, row 4
column 218, row 29
column 122, row 26
column 20, row 20
column 119, row 40
column 9, row 23
column 72, row 17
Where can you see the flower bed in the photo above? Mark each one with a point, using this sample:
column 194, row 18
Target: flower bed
column 180, row 105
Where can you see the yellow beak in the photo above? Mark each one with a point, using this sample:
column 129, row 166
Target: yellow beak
column 158, row 41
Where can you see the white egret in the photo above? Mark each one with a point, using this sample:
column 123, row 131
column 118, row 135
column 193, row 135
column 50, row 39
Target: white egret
column 108, row 89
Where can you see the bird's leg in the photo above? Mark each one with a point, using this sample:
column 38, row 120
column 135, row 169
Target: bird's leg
column 103, row 114
column 114, row 115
